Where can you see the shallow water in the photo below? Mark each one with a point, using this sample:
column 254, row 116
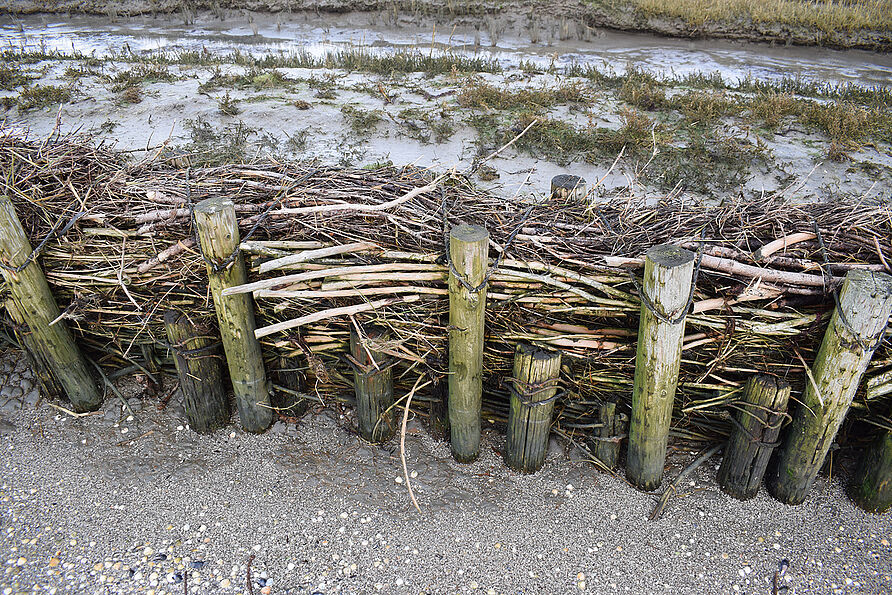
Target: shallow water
column 509, row 41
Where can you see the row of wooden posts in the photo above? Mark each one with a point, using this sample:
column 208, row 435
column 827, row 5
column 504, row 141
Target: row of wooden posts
column 857, row 325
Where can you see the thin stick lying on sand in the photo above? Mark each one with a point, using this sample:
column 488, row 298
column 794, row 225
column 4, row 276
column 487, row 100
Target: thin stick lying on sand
column 332, row 312
column 403, row 437
column 673, row 487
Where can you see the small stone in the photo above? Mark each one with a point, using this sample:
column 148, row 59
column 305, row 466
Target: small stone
column 225, row 583
column 398, row 479
column 21, row 561
column 54, row 562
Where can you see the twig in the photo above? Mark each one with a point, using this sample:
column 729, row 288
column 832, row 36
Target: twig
column 331, row 313
column 673, row 487
column 250, row 584
column 403, row 437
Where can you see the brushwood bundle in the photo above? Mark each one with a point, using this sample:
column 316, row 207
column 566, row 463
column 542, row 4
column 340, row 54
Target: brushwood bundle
column 327, row 246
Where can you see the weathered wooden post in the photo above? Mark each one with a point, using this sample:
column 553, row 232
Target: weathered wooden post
column 854, row 333
column 763, row 410
column 373, row 384
column 41, row 314
column 605, row 441
column 665, row 296
column 199, row 364
column 468, row 250
column 218, row 234
column 566, row 186
column 534, row 387
column 871, row 489
column 288, row 375
column 39, row 365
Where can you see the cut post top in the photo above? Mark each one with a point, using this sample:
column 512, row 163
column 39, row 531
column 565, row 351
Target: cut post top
column 214, row 204
column 468, row 233
column 770, row 381
column 567, row 182
column 670, row 256
column 874, row 283
column 536, row 353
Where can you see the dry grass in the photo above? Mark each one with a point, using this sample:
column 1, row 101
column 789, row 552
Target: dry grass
column 827, row 16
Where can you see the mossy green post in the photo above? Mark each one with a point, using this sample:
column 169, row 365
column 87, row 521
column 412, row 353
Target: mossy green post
column 536, row 372
column 199, row 364
column 760, row 414
column 37, row 307
column 866, row 302
column 373, row 384
column 48, row 384
column 219, row 237
column 871, row 488
column 468, row 250
column 606, row 439
column 668, row 271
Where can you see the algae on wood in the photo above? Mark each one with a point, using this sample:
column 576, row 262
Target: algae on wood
column 668, row 272
column 759, row 416
column 468, row 250
column 218, row 234
column 199, row 362
column 536, row 372
column 373, row 384
column 865, row 303
column 871, row 488
column 38, row 309
column 605, row 440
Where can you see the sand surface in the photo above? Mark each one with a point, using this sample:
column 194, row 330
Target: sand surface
column 118, row 503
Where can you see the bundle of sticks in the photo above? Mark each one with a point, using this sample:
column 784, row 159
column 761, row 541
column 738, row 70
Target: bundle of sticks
column 329, row 248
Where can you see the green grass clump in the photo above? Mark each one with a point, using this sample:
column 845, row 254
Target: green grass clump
column 426, row 125
column 478, row 95
column 140, row 74
column 11, row 78
column 361, row 122
column 42, row 96
column 257, row 78
column 642, row 90
column 210, row 147
column 704, row 107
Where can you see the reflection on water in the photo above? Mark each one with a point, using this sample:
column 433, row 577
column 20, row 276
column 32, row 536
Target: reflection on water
column 508, row 42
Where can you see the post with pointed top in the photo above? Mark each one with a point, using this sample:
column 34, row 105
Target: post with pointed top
column 468, row 251
column 37, row 308
column 218, row 234
column 854, row 332
column 536, row 374
column 668, row 276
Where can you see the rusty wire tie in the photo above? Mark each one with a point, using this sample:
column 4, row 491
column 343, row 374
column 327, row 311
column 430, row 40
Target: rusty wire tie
column 531, row 389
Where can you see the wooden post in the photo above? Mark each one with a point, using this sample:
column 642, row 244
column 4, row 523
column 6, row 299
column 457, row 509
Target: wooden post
column 872, row 487
column 42, row 370
column 865, row 303
column 754, row 437
column 219, row 237
column 468, row 250
column 605, row 441
column 668, row 272
column 288, row 375
column 39, row 311
column 373, row 384
column 439, row 408
column 568, row 187
column 199, row 362
column 536, row 373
